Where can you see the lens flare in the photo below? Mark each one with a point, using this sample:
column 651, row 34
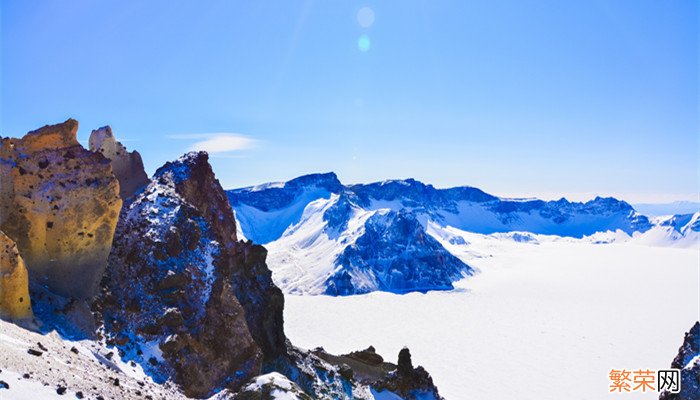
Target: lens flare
column 365, row 17
column 363, row 43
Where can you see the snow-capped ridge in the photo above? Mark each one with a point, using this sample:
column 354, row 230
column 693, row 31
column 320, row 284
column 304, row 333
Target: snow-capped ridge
column 359, row 241
column 274, row 195
column 486, row 213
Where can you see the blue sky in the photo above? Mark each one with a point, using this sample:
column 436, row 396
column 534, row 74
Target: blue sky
column 519, row 98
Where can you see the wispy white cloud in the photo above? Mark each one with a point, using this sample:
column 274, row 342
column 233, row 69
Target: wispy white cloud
column 220, row 142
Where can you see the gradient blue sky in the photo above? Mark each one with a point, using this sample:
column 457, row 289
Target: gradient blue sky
column 519, row 98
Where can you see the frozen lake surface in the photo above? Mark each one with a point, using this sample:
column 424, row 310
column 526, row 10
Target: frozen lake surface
column 540, row 321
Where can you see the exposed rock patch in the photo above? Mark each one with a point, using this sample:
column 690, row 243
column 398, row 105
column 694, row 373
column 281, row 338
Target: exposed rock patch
column 321, row 378
column 270, row 386
column 400, row 379
column 688, row 361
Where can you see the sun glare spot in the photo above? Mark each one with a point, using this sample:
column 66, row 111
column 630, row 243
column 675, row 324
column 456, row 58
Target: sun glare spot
column 363, row 43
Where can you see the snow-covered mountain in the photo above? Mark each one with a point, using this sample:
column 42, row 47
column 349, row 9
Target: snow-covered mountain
column 326, row 237
column 681, row 230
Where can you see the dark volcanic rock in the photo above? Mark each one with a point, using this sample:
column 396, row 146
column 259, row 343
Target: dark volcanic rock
column 368, row 368
column 318, row 377
column 180, row 282
column 405, row 365
column 408, row 382
column 690, row 348
column 688, row 361
column 367, row 356
column 169, row 287
column 262, row 301
column 243, row 263
column 34, row 352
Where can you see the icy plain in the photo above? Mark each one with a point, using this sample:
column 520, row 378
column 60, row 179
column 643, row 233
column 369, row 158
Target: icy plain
column 544, row 319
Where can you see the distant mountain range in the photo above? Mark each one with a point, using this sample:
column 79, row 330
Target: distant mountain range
column 673, row 208
column 326, row 237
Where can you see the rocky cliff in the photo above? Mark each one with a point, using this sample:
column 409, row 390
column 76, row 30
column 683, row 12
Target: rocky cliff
column 168, row 285
column 60, row 204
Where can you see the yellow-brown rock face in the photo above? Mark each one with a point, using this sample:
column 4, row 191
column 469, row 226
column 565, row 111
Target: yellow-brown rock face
column 127, row 166
column 60, row 203
column 14, row 282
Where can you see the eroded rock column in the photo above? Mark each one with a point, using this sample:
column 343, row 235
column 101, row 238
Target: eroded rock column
column 60, row 204
column 14, row 282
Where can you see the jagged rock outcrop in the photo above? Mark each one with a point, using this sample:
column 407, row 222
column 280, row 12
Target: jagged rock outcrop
column 179, row 285
column 14, row 282
column 319, row 377
column 368, row 368
column 127, row 166
column 408, row 382
column 243, row 263
column 60, row 203
column 688, row 361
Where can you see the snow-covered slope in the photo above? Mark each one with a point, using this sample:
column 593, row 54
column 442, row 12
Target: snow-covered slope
column 671, row 231
column 674, row 231
column 325, row 237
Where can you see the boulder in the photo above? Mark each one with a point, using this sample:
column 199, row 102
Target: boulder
column 60, row 203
